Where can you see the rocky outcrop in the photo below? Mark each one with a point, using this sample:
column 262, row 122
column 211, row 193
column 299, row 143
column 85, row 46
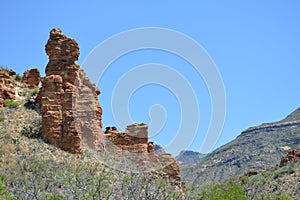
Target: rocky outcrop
column 7, row 86
column 31, row 78
column 293, row 156
column 134, row 139
column 17, row 88
column 69, row 104
column 134, row 144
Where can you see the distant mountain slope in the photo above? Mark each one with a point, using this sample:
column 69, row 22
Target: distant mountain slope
column 256, row 148
column 189, row 157
column 294, row 116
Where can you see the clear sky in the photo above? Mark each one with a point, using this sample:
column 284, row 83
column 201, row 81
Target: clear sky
column 254, row 44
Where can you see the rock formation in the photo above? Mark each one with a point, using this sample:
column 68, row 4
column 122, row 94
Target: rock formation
column 69, row 104
column 7, row 86
column 31, row 78
column 134, row 144
column 134, row 139
column 72, row 116
column 293, row 156
column 15, row 88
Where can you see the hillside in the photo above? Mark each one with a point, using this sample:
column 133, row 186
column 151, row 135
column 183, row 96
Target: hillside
column 275, row 182
column 255, row 149
column 33, row 169
column 280, row 183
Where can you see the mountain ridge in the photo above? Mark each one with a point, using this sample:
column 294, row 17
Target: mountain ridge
column 256, row 148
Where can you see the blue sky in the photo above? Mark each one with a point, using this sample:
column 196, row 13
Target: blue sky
column 254, row 44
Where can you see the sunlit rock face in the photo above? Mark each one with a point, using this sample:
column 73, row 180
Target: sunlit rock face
column 69, row 104
column 7, row 87
column 135, row 145
column 31, row 78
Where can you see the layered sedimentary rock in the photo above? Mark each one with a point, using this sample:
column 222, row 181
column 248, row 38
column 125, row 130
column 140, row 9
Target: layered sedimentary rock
column 69, row 104
column 134, row 139
column 31, row 78
column 7, row 86
column 15, row 88
column 135, row 145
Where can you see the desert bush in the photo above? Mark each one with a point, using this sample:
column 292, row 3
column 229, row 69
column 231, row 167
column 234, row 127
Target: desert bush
column 244, row 180
column 11, row 103
column 34, row 91
column 45, row 176
column 2, row 118
column 222, row 191
column 32, row 131
column 4, row 194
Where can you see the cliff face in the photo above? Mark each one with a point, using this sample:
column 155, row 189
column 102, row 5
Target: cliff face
column 68, row 99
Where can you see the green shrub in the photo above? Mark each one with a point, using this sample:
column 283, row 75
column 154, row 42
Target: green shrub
column 291, row 171
column 2, row 181
column 244, row 180
column 34, row 91
column 2, row 118
column 53, row 197
column 3, row 192
column 222, row 191
column 11, row 103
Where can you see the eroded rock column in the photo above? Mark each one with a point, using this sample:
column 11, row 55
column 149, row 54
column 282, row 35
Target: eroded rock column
column 69, row 104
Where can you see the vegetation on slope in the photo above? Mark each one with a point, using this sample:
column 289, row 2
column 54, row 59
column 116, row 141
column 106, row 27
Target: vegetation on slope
column 255, row 149
column 32, row 169
column 275, row 183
